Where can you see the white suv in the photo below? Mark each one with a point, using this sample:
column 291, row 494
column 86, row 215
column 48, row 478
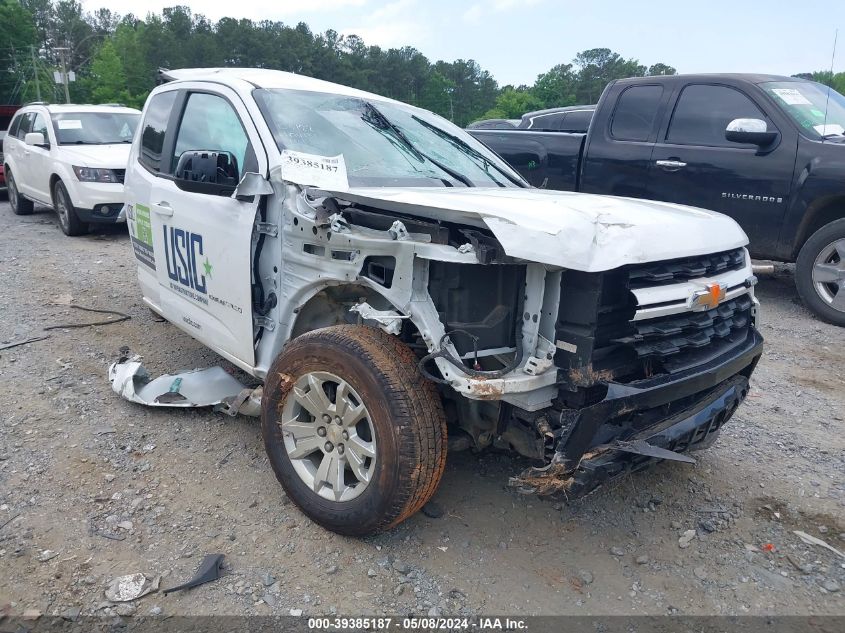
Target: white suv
column 71, row 157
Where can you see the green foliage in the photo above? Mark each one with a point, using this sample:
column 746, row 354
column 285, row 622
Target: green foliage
column 107, row 82
column 115, row 59
column 512, row 103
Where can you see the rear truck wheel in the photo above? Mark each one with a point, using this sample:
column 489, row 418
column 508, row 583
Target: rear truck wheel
column 355, row 434
column 68, row 219
column 19, row 204
column 820, row 273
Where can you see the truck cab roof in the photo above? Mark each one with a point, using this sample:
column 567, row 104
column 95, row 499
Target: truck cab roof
column 754, row 78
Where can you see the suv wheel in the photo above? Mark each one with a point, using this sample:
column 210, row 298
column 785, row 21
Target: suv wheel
column 355, row 434
column 820, row 273
column 68, row 220
column 19, row 204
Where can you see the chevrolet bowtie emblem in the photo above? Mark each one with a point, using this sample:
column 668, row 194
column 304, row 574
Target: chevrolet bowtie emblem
column 709, row 298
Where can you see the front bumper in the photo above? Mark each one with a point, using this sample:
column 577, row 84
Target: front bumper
column 678, row 413
column 97, row 202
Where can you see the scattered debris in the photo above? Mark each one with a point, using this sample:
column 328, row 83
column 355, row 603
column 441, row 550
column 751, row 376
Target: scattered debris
column 65, row 326
column 686, row 539
column 9, row 521
column 296, row 612
column 131, row 587
column 23, row 342
column 208, row 571
column 812, row 540
column 193, row 388
column 768, row 547
column 46, row 555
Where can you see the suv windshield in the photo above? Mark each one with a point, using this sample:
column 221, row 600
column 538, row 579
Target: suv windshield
column 94, row 128
column 807, row 102
column 383, row 143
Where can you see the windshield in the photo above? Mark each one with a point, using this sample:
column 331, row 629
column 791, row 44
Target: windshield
column 383, row 144
column 94, row 128
column 807, row 102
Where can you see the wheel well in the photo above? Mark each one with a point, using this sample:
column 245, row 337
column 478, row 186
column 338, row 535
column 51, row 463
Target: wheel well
column 330, row 306
column 816, row 218
column 53, row 180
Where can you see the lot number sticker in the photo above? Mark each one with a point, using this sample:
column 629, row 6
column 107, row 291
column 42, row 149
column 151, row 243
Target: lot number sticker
column 325, row 172
column 791, row 96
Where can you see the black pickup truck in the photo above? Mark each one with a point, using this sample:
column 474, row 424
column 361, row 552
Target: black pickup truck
column 768, row 151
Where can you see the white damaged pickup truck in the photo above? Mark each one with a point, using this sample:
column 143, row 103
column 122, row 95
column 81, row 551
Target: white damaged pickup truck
column 388, row 278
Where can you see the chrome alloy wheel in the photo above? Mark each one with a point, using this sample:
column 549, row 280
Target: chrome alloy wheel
column 13, row 191
column 62, row 209
column 329, row 436
column 829, row 274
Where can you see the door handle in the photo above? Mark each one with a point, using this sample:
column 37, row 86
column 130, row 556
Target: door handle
column 670, row 165
column 162, row 208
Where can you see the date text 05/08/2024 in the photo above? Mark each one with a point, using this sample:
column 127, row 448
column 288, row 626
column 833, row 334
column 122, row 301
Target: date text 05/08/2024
column 417, row 624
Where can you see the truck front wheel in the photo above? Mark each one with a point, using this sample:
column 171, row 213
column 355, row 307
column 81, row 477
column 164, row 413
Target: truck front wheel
column 820, row 273
column 355, row 434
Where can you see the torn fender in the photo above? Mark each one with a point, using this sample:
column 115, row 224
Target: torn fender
column 193, row 388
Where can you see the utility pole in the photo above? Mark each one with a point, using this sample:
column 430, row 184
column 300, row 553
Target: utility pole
column 35, row 73
column 65, row 78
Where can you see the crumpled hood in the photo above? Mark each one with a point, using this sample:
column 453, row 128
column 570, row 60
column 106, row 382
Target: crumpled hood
column 574, row 230
column 105, row 156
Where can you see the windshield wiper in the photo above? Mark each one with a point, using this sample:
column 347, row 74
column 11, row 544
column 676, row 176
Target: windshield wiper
column 382, row 122
column 468, row 150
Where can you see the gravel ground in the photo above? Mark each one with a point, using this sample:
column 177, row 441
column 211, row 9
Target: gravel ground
column 93, row 487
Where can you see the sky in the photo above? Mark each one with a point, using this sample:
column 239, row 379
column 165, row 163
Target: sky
column 518, row 39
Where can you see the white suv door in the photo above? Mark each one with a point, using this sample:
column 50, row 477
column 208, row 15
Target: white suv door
column 196, row 235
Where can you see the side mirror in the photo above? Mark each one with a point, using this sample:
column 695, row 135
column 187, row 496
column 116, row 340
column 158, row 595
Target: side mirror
column 35, row 138
column 251, row 185
column 750, row 131
column 210, row 172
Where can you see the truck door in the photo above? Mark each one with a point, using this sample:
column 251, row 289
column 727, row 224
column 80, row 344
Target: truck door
column 694, row 164
column 617, row 158
column 202, row 236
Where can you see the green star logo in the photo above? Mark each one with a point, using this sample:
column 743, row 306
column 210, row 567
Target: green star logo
column 208, row 267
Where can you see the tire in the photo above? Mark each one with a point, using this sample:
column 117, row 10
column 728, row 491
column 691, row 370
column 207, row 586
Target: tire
column 820, row 273
column 402, row 415
column 19, row 204
column 68, row 219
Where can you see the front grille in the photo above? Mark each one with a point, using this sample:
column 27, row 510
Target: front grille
column 120, row 174
column 680, row 340
column 678, row 270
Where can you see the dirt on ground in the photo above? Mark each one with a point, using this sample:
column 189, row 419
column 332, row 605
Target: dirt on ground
column 93, row 487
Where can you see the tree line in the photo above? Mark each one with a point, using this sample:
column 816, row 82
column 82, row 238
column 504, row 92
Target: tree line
column 114, row 59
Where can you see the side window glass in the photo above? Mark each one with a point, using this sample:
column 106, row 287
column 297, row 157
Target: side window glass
column 636, row 112
column 16, row 123
column 40, row 125
column 26, row 125
column 210, row 123
column 154, row 129
column 577, row 121
column 703, row 112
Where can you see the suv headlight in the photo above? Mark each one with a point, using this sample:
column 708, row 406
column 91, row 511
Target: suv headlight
column 94, row 174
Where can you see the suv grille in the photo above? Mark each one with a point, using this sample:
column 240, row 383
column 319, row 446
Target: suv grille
column 678, row 270
column 120, row 174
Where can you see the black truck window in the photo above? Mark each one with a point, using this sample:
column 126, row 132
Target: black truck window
column 704, row 111
column 636, row 111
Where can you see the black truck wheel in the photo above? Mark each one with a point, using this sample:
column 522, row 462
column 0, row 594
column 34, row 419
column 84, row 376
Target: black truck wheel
column 820, row 273
column 19, row 204
column 355, row 434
